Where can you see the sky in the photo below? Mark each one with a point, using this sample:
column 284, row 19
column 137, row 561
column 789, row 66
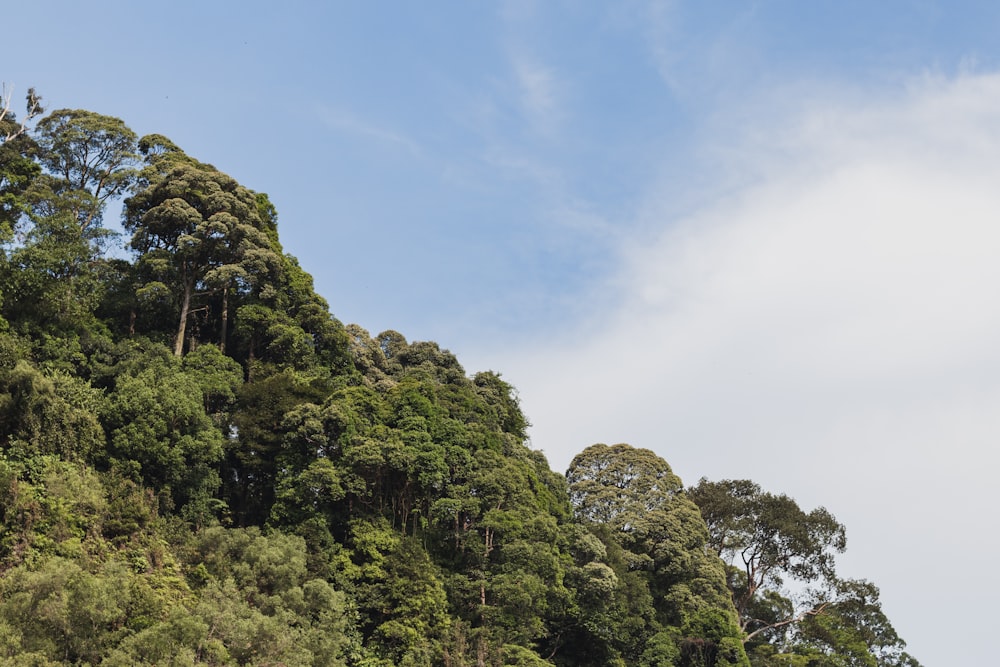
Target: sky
column 758, row 238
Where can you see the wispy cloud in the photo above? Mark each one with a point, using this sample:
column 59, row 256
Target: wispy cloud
column 829, row 328
column 660, row 32
column 538, row 90
column 349, row 123
column 699, row 58
column 534, row 87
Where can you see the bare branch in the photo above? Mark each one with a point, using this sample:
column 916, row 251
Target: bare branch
column 813, row 611
column 33, row 109
column 6, row 102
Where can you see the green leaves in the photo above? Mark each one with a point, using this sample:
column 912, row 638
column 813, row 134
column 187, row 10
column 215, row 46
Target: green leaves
column 853, row 630
column 619, row 485
column 48, row 414
column 197, row 230
column 157, row 418
column 635, row 495
column 389, row 510
column 91, row 158
column 767, row 537
column 18, row 172
column 219, row 377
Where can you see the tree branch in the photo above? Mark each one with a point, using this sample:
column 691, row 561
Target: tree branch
column 814, row 611
column 34, row 108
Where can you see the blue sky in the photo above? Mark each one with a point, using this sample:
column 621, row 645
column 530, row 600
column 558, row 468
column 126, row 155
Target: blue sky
column 758, row 238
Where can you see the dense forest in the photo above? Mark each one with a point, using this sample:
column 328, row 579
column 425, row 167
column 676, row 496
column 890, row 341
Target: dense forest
column 200, row 465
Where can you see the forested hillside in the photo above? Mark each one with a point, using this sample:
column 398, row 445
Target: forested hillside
column 200, row 465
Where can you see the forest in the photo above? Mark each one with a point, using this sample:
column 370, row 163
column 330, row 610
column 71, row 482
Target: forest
column 201, row 465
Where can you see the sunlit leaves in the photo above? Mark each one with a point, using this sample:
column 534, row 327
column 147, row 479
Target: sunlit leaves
column 91, row 158
column 157, row 418
column 196, row 229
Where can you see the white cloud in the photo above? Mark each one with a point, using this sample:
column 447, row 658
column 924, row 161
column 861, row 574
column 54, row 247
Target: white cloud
column 829, row 329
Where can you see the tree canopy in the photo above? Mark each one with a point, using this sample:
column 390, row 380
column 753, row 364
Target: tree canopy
column 200, row 465
column 766, row 540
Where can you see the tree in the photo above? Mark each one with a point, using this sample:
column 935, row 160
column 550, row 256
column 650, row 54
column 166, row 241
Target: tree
column 620, row 486
column 157, row 423
column 9, row 127
column 52, row 271
column 53, row 284
column 48, row 414
column 90, row 159
column 197, row 231
column 218, row 376
column 251, row 465
column 634, row 493
column 18, row 169
column 410, row 606
column 765, row 538
column 853, row 630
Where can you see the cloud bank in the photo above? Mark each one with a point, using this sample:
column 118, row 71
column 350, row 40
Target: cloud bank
column 828, row 327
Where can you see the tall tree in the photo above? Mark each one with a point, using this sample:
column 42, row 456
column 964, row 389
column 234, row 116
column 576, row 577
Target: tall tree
column 620, row 485
column 87, row 159
column 17, row 167
column 156, row 422
column 766, row 538
column 634, row 493
column 197, row 231
column 53, row 282
column 853, row 630
column 90, row 158
column 18, row 171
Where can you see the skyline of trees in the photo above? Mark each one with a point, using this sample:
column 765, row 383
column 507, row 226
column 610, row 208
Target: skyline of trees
column 201, row 465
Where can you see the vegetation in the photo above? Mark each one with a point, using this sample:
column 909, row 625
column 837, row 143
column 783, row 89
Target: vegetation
column 200, row 465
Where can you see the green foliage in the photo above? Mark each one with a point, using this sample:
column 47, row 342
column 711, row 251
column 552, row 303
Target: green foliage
column 90, row 158
column 853, row 631
column 200, row 465
column 620, row 486
column 18, row 171
column 218, row 377
column 772, row 538
column 197, row 230
column 635, row 494
column 251, row 465
column 52, row 285
column 411, row 607
column 48, row 414
column 157, row 419
column 766, row 538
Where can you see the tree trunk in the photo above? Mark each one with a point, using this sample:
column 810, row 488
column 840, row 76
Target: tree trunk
column 225, row 319
column 182, row 325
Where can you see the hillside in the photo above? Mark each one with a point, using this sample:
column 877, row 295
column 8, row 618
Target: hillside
column 201, row 465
